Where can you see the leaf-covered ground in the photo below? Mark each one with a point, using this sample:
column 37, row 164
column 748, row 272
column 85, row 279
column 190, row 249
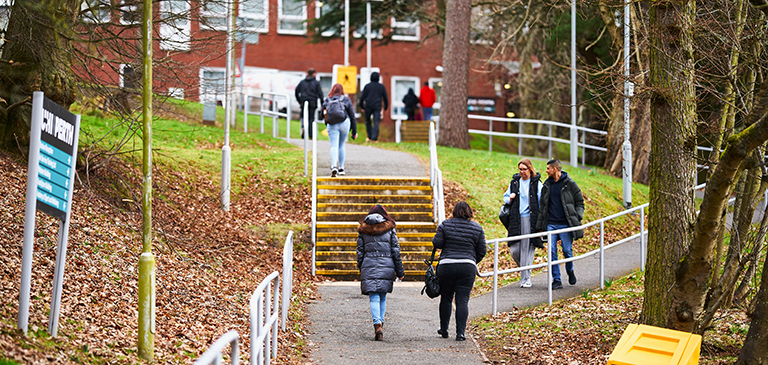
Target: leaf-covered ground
column 585, row 329
column 208, row 264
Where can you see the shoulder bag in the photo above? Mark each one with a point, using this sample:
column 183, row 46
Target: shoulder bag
column 431, row 282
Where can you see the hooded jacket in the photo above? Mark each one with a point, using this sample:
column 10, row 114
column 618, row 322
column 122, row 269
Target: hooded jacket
column 572, row 202
column 374, row 94
column 533, row 205
column 308, row 90
column 378, row 254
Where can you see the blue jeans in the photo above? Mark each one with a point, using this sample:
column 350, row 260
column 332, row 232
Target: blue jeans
column 567, row 243
column 337, row 133
column 378, row 306
column 427, row 114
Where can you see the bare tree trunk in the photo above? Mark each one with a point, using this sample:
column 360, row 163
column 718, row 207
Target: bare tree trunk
column 454, row 124
column 35, row 58
column 754, row 350
column 672, row 165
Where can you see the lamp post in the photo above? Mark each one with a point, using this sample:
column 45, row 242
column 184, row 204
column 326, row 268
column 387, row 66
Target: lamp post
column 626, row 147
column 229, row 108
column 346, row 32
column 574, row 139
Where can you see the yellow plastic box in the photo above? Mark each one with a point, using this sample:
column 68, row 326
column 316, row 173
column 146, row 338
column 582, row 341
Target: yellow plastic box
column 648, row 345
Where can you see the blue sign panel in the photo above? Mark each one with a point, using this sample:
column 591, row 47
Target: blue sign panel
column 56, row 162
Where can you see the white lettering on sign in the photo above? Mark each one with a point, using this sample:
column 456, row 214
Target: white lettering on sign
column 46, row 148
column 47, row 161
column 48, row 120
column 45, row 173
column 48, row 199
column 64, row 131
column 45, row 185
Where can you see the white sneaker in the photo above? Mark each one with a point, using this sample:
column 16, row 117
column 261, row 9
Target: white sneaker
column 341, row 172
column 526, row 284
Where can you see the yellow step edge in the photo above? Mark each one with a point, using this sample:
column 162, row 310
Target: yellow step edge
column 357, row 272
column 355, row 224
column 328, row 253
column 404, row 197
column 354, row 234
column 354, row 244
column 321, row 263
column 367, row 205
column 373, row 178
column 373, row 187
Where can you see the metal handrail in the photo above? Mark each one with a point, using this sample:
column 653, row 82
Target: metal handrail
column 520, row 135
column 213, row 354
column 287, row 278
column 271, row 111
column 314, row 196
column 495, row 242
column 435, row 178
column 264, row 319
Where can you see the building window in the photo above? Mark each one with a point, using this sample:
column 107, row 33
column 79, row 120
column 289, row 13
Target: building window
column 212, row 84
column 253, row 16
column 321, row 9
column 175, row 28
column 130, row 77
column 436, row 84
column 176, row 92
column 95, row 11
column 326, row 82
column 213, row 15
column 405, row 29
column 130, row 12
column 400, row 86
column 292, row 15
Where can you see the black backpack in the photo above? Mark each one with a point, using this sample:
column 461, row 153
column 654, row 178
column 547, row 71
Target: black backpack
column 334, row 110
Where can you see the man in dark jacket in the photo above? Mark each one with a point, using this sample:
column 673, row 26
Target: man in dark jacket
column 308, row 90
column 370, row 101
column 561, row 206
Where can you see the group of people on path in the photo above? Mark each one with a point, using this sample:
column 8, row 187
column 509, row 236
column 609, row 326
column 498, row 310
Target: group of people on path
column 340, row 121
column 536, row 206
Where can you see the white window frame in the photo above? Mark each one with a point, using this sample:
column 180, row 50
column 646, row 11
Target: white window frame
column 301, row 18
column 176, row 92
column 175, row 36
column 203, row 93
column 129, row 8
column 432, row 82
column 262, row 19
column 396, row 103
column 205, row 14
column 87, row 14
column 318, row 14
column 404, row 25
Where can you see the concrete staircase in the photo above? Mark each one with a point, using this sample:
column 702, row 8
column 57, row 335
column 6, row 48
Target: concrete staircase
column 344, row 201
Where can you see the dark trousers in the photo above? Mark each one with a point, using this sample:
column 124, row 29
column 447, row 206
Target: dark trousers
column 372, row 119
column 312, row 109
column 455, row 279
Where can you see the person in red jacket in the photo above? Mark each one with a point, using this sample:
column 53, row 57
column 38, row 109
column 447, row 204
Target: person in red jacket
column 427, row 98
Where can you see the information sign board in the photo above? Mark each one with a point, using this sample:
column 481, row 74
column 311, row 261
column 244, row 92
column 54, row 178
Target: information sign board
column 57, row 147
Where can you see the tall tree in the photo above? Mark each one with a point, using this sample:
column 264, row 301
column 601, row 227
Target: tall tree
column 35, row 57
column 454, row 124
column 672, row 164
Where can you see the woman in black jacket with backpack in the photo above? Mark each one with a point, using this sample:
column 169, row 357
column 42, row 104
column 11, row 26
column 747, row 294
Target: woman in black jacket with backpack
column 378, row 258
column 461, row 242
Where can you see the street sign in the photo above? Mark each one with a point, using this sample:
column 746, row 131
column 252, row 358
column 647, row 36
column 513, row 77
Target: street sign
column 56, row 161
column 50, row 181
column 347, row 77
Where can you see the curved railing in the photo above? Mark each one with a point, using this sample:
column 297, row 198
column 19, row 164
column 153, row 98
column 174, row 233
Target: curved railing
column 213, row 354
column 270, row 110
column 495, row 242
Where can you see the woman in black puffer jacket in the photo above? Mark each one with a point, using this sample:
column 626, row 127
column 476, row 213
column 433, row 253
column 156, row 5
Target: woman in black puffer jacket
column 462, row 245
column 378, row 258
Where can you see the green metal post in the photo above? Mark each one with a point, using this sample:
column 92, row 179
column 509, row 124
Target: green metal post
column 146, row 342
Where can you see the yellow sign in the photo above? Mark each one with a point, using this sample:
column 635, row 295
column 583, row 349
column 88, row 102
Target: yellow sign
column 347, row 77
column 642, row 344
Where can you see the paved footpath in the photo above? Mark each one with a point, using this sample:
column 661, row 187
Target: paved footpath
column 341, row 329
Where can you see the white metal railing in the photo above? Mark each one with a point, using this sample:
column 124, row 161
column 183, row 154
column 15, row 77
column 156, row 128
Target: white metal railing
column 495, row 242
column 213, row 354
column 520, row 135
column 264, row 313
column 271, row 110
column 314, row 196
column 435, row 178
column 287, row 278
